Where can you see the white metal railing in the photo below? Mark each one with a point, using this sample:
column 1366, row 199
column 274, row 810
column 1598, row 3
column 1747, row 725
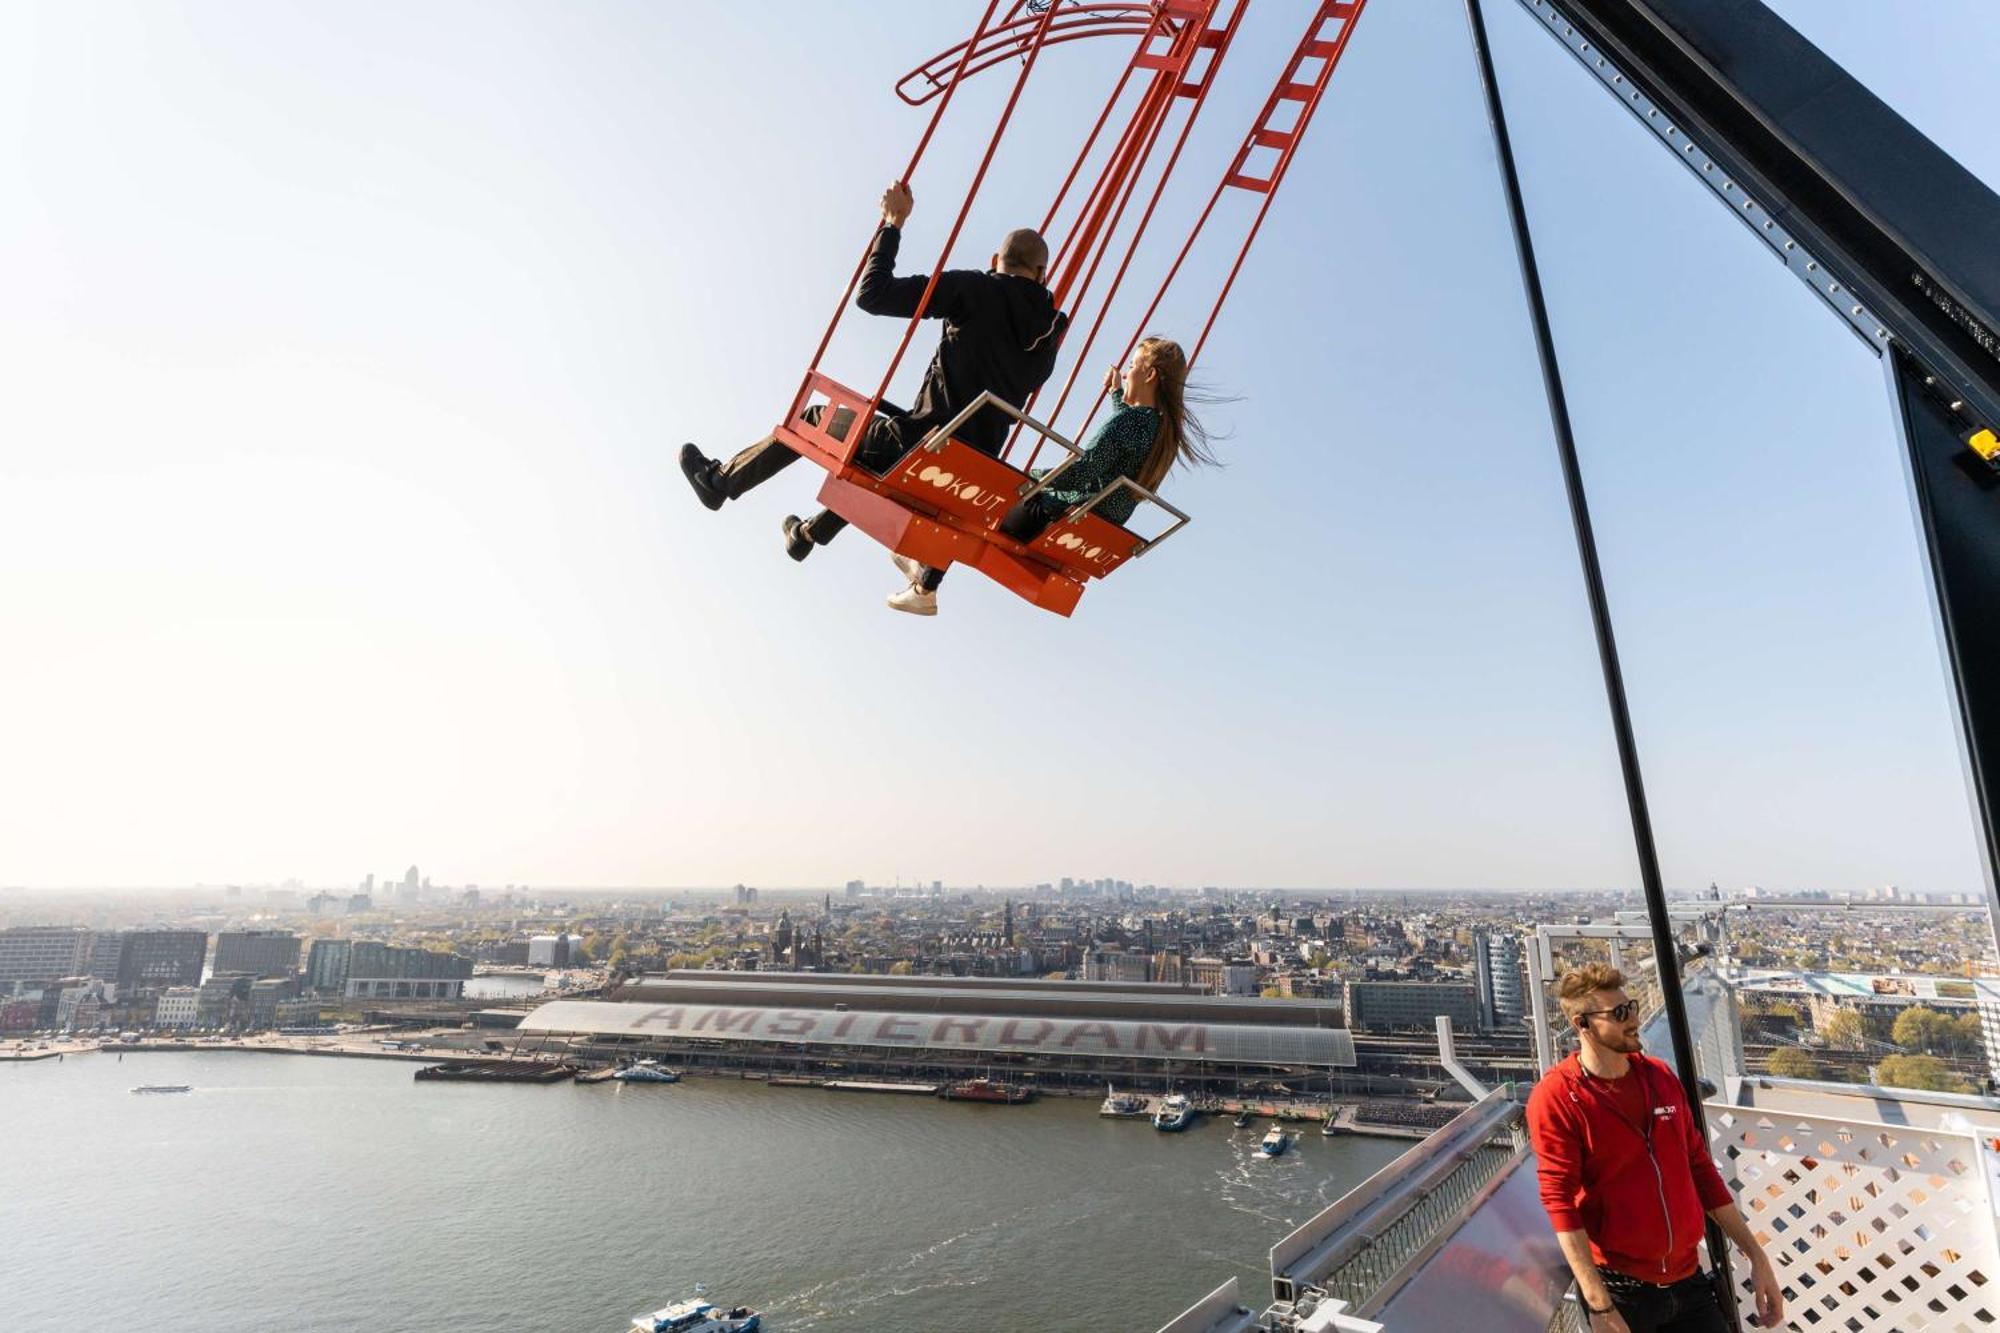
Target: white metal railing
column 1873, row 1228
column 1365, row 1243
column 1221, row 1311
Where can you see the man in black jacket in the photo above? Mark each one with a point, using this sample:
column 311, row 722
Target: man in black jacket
column 1001, row 333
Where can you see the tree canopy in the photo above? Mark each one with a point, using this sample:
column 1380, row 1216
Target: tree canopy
column 1791, row 1062
column 1934, row 1033
column 1925, row 1072
column 1847, row 1030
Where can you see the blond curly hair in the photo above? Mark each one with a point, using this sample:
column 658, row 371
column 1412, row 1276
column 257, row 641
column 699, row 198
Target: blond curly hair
column 1578, row 984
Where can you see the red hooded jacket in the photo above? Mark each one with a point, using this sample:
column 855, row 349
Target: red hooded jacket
column 1640, row 1192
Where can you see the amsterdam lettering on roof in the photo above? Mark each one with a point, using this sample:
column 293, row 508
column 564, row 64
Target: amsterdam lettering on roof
column 972, row 1032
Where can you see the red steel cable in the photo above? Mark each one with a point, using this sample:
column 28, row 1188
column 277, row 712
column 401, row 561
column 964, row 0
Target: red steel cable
column 978, row 179
column 1285, row 157
column 1114, row 182
column 840, row 308
column 1220, row 48
column 1090, row 141
column 1325, row 11
column 1083, row 234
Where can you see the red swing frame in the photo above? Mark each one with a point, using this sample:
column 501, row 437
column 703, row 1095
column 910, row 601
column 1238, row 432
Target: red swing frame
column 941, row 503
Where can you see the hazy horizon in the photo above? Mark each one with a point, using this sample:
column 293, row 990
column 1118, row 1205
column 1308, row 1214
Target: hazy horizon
column 950, row 887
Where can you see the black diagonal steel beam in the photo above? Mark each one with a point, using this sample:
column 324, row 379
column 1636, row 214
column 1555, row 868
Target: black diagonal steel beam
column 1898, row 240
column 1878, row 215
column 1666, row 958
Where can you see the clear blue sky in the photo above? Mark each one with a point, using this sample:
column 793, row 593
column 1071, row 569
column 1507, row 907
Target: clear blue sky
column 348, row 346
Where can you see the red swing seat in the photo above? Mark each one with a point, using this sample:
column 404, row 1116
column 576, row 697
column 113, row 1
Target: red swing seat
column 942, row 502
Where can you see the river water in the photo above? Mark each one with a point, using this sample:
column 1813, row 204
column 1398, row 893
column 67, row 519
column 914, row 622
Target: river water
column 289, row 1192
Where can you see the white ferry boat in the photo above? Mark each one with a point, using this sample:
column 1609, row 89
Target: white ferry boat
column 699, row 1316
column 1122, row 1105
column 646, row 1071
column 1176, row 1113
column 1275, row 1142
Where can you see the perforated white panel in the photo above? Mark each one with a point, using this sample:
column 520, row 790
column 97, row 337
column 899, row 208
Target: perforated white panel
column 1873, row 1228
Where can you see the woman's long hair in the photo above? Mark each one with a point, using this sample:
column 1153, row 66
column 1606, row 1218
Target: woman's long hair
column 1181, row 437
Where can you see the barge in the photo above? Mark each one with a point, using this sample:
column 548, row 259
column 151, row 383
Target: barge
column 497, row 1071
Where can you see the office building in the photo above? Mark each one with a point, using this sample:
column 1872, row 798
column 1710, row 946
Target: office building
column 1401, row 1006
column 42, row 953
column 1497, row 973
column 259, row 953
column 555, row 950
column 176, row 1007
column 107, row 947
column 388, row 972
column 152, row 960
column 1224, row 976
column 326, row 966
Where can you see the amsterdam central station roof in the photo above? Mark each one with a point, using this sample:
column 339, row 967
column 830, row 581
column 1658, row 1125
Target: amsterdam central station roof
column 1211, row 1042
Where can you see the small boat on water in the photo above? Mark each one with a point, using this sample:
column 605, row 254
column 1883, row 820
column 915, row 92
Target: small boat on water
column 163, row 1087
column 1331, row 1125
column 1244, row 1118
column 646, row 1071
column 986, row 1090
column 1123, row 1105
column 699, row 1316
column 497, row 1071
column 1275, row 1142
column 1175, row 1114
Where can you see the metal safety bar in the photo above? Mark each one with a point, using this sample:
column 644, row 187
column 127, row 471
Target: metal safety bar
column 1146, row 544
column 936, row 440
column 942, row 435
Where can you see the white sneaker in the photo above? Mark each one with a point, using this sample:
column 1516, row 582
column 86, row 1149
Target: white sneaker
column 913, row 570
column 915, row 601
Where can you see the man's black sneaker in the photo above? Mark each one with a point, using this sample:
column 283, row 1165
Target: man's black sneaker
column 798, row 537
column 699, row 469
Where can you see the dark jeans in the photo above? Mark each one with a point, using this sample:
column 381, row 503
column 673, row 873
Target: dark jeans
column 1024, row 523
column 879, row 451
column 1688, row 1306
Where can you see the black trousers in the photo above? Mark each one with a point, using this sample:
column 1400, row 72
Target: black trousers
column 1024, row 523
column 1687, row 1306
column 880, row 450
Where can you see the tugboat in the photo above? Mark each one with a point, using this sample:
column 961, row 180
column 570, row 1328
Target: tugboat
column 986, row 1090
column 1122, row 1105
column 699, row 1316
column 1275, row 1142
column 646, row 1071
column 1176, row 1113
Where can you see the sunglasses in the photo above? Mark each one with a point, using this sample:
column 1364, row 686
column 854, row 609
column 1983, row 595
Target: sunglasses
column 1619, row 1012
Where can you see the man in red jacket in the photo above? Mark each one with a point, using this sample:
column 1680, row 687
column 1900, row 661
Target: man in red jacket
column 1627, row 1178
